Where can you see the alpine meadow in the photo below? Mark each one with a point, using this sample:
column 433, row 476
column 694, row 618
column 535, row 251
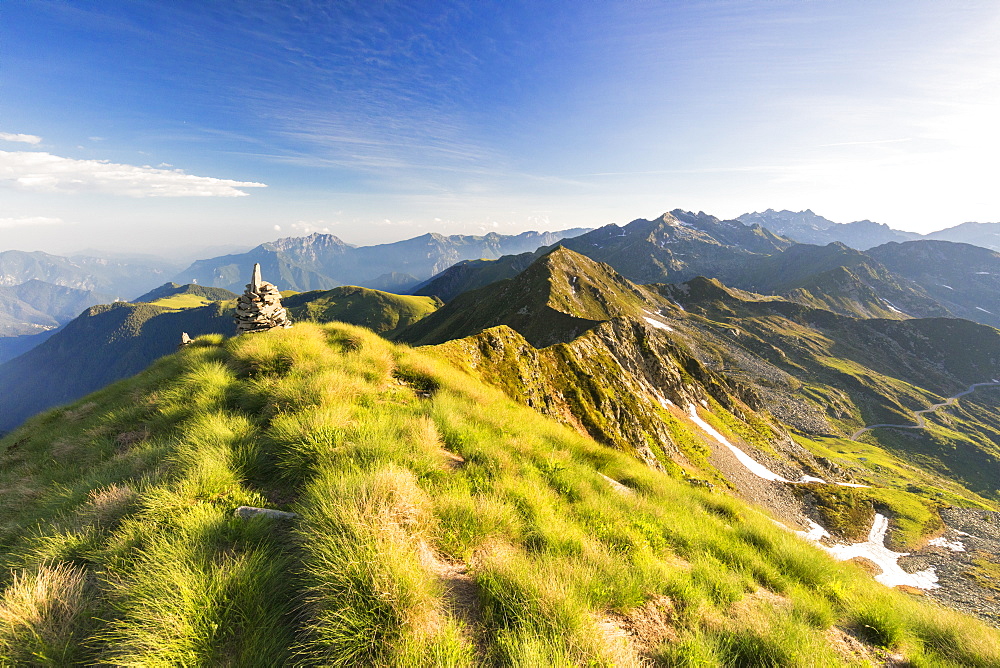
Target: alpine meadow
column 499, row 334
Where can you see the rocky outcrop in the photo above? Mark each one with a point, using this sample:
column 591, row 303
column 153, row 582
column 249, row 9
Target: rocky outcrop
column 259, row 308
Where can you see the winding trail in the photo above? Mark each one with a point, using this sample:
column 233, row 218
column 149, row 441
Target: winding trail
column 919, row 415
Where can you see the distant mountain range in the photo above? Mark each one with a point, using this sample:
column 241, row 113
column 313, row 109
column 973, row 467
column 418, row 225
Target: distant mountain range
column 124, row 279
column 35, row 306
column 323, row 261
column 895, row 281
column 809, row 228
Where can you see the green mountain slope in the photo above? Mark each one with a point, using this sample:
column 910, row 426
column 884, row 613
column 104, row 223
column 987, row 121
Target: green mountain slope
column 438, row 523
column 963, row 278
column 557, row 298
column 380, row 312
column 168, row 290
column 787, row 383
column 106, row 343
column 110, row 342
column 827, row 376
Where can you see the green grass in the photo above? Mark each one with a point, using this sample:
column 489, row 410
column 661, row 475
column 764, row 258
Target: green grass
column 413, row 483
column 182, row 301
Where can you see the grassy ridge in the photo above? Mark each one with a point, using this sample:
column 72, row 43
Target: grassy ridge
column 440, row 524
column 380, row 312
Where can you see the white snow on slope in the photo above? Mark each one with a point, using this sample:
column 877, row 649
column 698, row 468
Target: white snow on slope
column 752, row 464
column 980, row 308
column 814, row 533
column 755, row 467
column 953, row 545
column 892, row 307
column 947, row 286
column 656, row 323
column 874, row 550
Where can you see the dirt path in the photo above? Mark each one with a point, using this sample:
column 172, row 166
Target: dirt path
column 919, row 415
column 461, row 595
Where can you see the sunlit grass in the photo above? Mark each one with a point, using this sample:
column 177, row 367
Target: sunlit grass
column 403, row 472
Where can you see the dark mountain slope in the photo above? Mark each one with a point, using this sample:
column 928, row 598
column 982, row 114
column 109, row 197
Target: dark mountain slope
column 963, row 278
column 834, row 277
column 104, row 344
column 35, row 305
column 675, row 247
column 839, row 279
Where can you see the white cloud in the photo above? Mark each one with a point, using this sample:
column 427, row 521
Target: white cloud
column 308, row 227
column 29, row 221
column 277, row 228
column 43, row 172
column 24, row 139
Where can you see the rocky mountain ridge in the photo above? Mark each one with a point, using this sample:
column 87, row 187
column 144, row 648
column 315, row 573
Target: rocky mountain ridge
column 809, row 228
column 323, row 261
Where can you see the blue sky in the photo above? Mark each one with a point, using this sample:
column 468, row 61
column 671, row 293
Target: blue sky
column 155, row 125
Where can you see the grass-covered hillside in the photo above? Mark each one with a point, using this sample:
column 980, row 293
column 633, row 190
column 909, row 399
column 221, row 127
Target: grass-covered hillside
column 185, row 294
column 114, row 341
column 105, row 343
column 828, row 375
column 438, row 523
column 381, row 312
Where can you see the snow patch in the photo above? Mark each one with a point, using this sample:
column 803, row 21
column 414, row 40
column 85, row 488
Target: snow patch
column 752, row 464
column 953, row 545
column 947, row 286
column 980, row 308
column 874, row 550
column 657, row 324
column 892, row 307
column 814, row 533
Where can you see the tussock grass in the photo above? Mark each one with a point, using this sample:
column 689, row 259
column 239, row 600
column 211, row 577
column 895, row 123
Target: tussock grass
column 402, row 470
column 43, row 616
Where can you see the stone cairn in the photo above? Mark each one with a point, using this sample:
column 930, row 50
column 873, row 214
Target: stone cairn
column 259, row 308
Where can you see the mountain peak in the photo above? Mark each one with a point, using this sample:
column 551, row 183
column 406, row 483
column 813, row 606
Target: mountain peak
column 558, row 297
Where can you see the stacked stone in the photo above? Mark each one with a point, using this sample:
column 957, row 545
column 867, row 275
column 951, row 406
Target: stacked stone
column 259, row 308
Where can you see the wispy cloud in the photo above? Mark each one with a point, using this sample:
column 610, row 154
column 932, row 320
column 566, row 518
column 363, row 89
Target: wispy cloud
column 867, row 143
column 39, row 171
column 29, row 221
column 22, row 138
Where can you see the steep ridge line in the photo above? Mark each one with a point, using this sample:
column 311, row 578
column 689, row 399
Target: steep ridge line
column 921, row 421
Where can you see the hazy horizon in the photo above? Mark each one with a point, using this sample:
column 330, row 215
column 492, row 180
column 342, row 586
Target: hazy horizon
column 146, row 127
